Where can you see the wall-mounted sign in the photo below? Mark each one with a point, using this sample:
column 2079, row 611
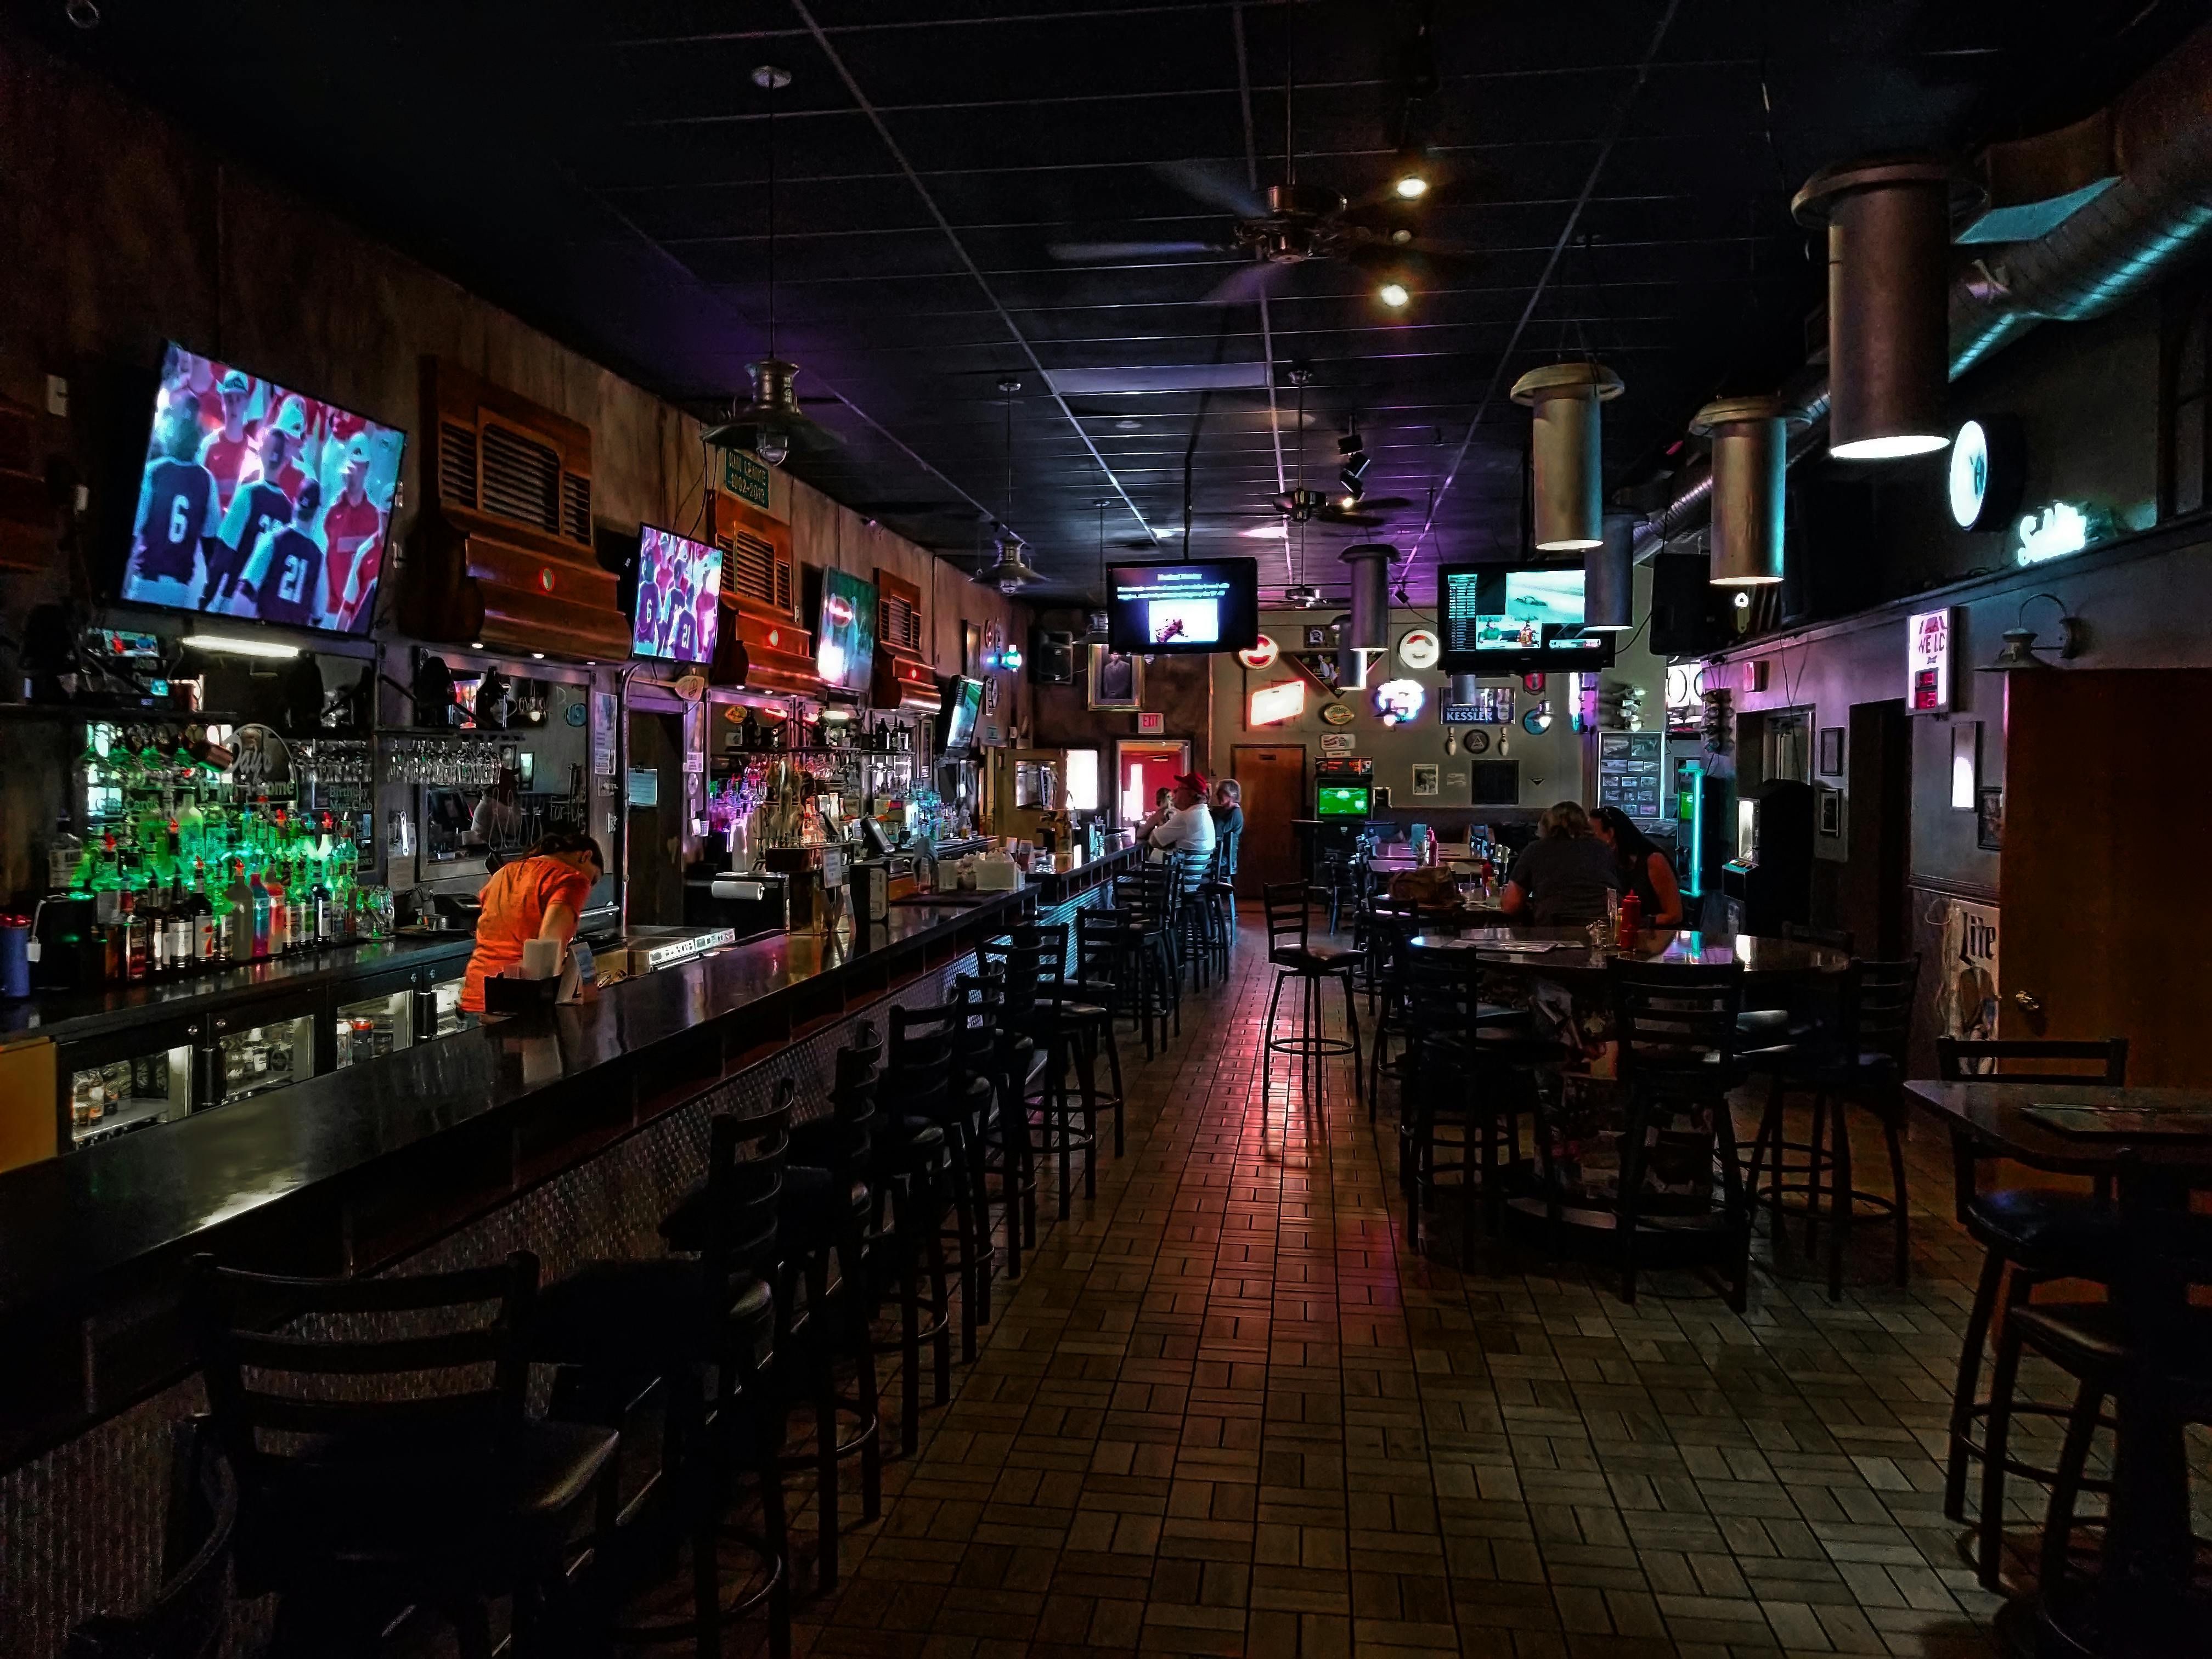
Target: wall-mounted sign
column 2059, row 529
column 1987, row 470
column 1399, row 701
column 1419, row 648
column 1337, row 714
column 1928, row 662
column 1475, row 742
column 1150, row 725
column 744, row 474
column 1537, row 720
column 1284, row 701
column 1492, row 706
column 1262, row 655
column 1336, row 742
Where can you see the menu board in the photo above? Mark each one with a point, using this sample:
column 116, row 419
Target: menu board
column 1628, row 766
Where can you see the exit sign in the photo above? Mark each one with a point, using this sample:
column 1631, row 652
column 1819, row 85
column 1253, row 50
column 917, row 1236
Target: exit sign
column 744, row 474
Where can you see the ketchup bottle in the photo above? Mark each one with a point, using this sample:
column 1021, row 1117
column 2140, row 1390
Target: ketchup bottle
column 1631, row 920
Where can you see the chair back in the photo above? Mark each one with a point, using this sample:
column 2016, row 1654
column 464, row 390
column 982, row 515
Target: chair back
column 1676, row 1023
column 1031, row 976
column 1390, row 931
column 1149, row 891
column 1836, row 938
column 1289, row 907
column 1878, row 1000
column 2102, row 1062
column 188, row 1617
column 845, row 1141
column 925, row 1047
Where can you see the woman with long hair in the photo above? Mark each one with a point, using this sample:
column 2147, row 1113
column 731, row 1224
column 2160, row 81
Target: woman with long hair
column 1644, row 870
column 1561, row 877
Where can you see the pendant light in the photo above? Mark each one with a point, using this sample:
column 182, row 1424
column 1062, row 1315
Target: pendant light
column 771, row 424
column 1302, row 504
column 1096, row 632
column 2018, row 651
column 1609, row 577
column 1889, row 353
column 1566, row 451
column 1750, row 453
column 1012, row 573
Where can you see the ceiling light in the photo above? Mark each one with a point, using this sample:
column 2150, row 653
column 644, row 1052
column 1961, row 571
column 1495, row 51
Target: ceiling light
column 237, row 648
column 539, row 655
column 1128, row 426
column 475, row 645
column 1348, row 502
column 1890, row 449
column 772, row 444
column 1750, row 453
column 1267, row 532
column 1411, row 187
column 1392, row 294
column 1565, row 452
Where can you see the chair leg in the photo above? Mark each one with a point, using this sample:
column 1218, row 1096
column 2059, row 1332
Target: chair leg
column 940, row 1301
column 1970, row 1376
column 1900, row 1218
column 1121, row 1096
column 2066, row 1486
column 1086, row 1080
column 1839, row 1232
column 1058, row 1112
column 1816, row 1165
column 1351, row 1026
column 1267, row 1038
column 767, row 1447
column 1989, row 1526
column 910, row 1296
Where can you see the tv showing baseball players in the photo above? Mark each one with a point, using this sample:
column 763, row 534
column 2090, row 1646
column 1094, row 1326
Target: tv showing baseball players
column 679, row 582
column 259, row 503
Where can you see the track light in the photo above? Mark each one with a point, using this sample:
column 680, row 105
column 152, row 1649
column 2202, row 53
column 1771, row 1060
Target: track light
column 1394, row 295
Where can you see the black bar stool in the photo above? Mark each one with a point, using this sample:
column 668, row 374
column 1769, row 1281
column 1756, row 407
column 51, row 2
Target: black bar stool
column 189, row 1615
column 1289, row 908
column 1009, row 1062
column 376, row 1466
column 1028, row 964
column 1147, row 897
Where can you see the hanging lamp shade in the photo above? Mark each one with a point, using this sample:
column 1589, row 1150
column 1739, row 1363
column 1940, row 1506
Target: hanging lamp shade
column 1750, row 453
column 1566, row 452
column 1888, row 222
column 1012, row 573
column 1609, row 577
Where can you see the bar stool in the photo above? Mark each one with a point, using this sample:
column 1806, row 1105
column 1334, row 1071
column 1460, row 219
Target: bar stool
column 376, row 1467
column 1090, row 1020
column 1217, row 890
column 1290, row 949
column 2030, row 1236
column 699, row 1333
column 1009, row 1061
column 1028, row 962
column 1390, row 932
column 1117, row 966
column 1146, row 895
column 189, row 1615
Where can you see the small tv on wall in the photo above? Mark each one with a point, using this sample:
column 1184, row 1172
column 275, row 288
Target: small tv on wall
column 259, row 503
column 1193, row 609
column 679, row 583
column 845, row 631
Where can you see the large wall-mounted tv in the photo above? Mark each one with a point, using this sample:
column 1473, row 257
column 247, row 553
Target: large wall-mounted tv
column 1194, row 609
column 259, row 503
column 1516, row 618
column 845, row 631
column 679, row 582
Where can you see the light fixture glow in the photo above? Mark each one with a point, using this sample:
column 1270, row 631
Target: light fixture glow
column 1412, row 187
column 1891, row 449
column 538, row 655
column 772, row 445
column 475, row 645
column 1392, row 294
column 237, row 647
column 1270, row 704
column 1267, row 533
column 1347, row 502
column 1743, row 581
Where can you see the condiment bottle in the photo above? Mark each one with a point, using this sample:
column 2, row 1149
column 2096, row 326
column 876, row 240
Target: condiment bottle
column 1631, row 920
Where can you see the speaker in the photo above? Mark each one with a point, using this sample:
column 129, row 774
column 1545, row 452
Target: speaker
column 1052, row 657
column 1689, row 615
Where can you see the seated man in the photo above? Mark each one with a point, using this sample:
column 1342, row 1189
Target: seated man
column 1187, row 828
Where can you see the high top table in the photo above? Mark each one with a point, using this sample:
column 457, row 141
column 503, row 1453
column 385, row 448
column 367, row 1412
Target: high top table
column 2141, row 1605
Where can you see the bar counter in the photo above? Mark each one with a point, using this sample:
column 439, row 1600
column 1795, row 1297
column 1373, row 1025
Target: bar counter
column 357, row 1169
column 1070, row 875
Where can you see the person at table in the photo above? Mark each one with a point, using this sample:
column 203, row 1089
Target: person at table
column 1228, row 822
column 1188, row 826
column 1561, row 877
column 1644, row 870
column 539, row 896
column 1162, row 804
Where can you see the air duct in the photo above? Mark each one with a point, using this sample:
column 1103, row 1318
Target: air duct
column 1566, row 452
column 1609, row 577
column 1749, row 459
column 1368, row 631
column 1889, row 250
column 2104, row 254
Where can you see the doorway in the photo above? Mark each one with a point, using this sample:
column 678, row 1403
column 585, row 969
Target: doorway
column 652, row 849
column 1871, row 897
column 1140, row 771
column 1272, row 776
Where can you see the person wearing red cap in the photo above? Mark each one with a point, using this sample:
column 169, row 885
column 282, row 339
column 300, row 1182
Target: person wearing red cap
column 1188, row 826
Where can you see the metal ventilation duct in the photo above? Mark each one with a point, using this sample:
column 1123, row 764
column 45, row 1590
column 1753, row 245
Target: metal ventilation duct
column 1609, row 577
column 1749, row 459
column 1369, row 630
column 2105, row 254
column 1565, row 450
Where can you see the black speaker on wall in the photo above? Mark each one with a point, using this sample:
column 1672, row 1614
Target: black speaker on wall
column 1052, row 657
column 1689, row 615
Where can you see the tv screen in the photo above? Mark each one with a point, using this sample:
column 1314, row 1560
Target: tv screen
column 1343, row 800
column 1502, row 618
column 259, row 503
column 1202, row 606
column 678, row 584
column 845, row 631
column 956, row 719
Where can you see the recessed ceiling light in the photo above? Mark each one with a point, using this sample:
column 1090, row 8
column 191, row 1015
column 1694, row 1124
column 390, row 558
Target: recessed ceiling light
column 1392, row 294
column 1128, row 426
column 1411, row 186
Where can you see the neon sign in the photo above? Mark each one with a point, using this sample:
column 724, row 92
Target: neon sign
column 1272, row 704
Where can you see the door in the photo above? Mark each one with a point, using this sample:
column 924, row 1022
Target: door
column 2097, row 904
column 1871, row 898
column 1272, row 776
column 653, row 856
column 1142, row 770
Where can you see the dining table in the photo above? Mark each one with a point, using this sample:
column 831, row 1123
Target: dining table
column 2155, row 1145
column 1567, row 954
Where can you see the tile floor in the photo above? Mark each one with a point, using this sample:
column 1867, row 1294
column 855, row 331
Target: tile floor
column 1226, row 1411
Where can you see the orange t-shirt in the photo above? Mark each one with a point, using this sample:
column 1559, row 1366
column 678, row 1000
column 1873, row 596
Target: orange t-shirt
column 515, row 901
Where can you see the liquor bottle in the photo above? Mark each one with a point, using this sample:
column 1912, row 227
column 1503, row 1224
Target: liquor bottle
column 65, row 859
column 107, row 882
column 204, row 932
column 182, row 937
column 268, row 914
column 192, row 827
column 134, row 963
column 240, row 897
column 326, row 910
column 153, row 921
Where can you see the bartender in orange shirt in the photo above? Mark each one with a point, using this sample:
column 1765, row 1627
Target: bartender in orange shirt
column 539, row 895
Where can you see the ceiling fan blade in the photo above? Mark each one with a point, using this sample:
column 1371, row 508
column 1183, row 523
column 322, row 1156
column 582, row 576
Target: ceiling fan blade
column 1215, row 185
column 1350, row 520
column 1095, row 253
column 1383, row 504
column 1247, row 284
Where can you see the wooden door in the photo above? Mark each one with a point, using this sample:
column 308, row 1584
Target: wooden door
column 1272, row 776
column 655, row 857
column 1878, row 765
column 2100, row 933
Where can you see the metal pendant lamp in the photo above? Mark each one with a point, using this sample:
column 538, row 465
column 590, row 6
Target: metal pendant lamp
column 1609, row 577
column 1566, row 451
column 1750, row 454
column 1012, row 573
column 1889, row 221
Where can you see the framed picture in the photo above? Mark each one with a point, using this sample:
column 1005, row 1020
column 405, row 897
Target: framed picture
column 1116, row 680
column 1317, row 638
column 1831, row 811
column 1832, row 751
column 1989, row 817
column 1425, row 778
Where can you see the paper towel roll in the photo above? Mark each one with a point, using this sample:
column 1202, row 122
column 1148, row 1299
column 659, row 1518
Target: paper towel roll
column 541, row 958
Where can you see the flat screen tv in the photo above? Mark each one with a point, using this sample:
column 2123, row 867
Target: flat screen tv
column 679, row 582
column 1515, row 618
column 1344, row 800
column 845, row 631
column 957, row 715
column 1193, row 609
column 259, row 503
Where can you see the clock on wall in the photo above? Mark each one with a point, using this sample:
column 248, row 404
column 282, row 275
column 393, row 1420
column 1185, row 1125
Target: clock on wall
column 1419, row 648
column 1537, row 720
